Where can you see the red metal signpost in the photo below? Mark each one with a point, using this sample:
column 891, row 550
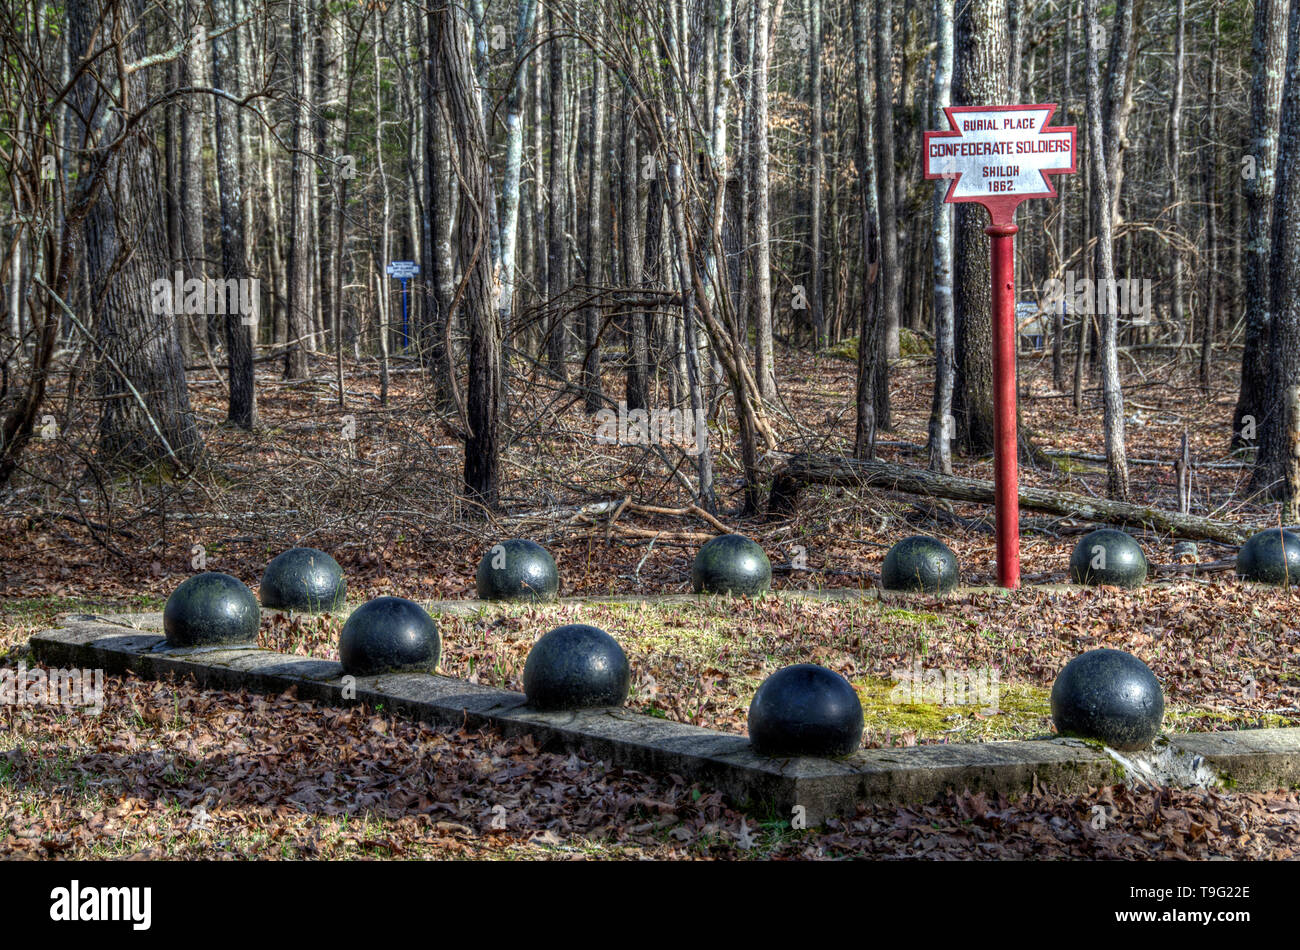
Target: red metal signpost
column 999, row 156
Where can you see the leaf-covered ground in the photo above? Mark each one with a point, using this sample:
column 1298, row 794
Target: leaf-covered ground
column 376, row 486
column 171, row 771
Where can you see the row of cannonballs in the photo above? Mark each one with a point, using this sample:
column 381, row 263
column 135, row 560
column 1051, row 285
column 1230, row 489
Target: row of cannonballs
column 799, row 710
column 1102, row 557
column 573, row 666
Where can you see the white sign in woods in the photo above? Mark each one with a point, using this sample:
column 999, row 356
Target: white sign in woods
column 403, row 270
column 996, row 151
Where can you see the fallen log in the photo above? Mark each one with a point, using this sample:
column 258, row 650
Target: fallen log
column 808, row 469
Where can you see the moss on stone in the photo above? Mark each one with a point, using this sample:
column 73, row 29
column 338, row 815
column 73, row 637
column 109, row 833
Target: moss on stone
column 900, row 707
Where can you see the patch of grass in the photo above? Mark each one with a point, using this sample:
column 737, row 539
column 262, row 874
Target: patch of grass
column 900, row 709
column 21, row 609
column 911, row 343
column 918, row 618
column 1071, row 466
column 1205, row 719
column 846, row 349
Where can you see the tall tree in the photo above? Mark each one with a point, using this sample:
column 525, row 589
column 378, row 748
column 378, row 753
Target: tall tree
column 192, row 202
column 816, row 148
column 510, row 186
column 449, row 46
column 890, row 282
column 242, row 406
column 301, row 240
column 760, row 190
column 941, row 405
column 140, row 377
column 1277, row 466
column 1058, row 311
column 1268, row 51
column 1117, row 97
column 632, row 220
column 1177, row 311
column 557, row 201
column 1104, row 265
column 979, row 79
column 872, row 376
column 1211, row 182
column 594, row 243
column 686, row 282
column 439, row 269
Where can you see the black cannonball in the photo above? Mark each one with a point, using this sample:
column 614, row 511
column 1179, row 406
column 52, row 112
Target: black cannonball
column 805, row 710
column 1108, row 695
column 303, row 579
column 211, row 608
column 1107, row 556
column 389, row 635
column 575, row 667
column 920, row 563
column 731, row 564
column 1270, row 557
column 517, row 570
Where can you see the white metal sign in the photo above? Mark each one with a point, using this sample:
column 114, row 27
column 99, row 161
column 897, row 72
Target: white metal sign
column 403, row 270
column 997, row 151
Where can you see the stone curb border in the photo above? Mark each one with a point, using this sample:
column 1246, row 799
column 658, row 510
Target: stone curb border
column 1257, row 759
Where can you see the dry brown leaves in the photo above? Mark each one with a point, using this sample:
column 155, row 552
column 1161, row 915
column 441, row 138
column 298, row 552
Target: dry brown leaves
column 169, row 770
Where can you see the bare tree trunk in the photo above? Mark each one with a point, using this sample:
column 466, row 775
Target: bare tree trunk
column 1277, row 466
column 1117, row 99
column 704, row 460
column 524, row 31
column 1211, row 207
column 816, row 294
column 979, row 78
column 1104, row 268
column 1177, row 309
column 1058, row 314
column 242, row 409
column 449, row 47
column 343, row 177
column 872, row 376
column 637, row 385
column 889, row 265
column 594, row 249
column 1016, row 41
column 764, row 355
column 558, row 202
column 192, row 329
column 326, row 83
column 1269, row 54
column 382, row 297
column 439, row 276
column 140, row 378
column 300, row 237
column 941, row 407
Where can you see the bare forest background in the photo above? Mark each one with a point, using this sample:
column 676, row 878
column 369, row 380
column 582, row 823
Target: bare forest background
column 704, row 209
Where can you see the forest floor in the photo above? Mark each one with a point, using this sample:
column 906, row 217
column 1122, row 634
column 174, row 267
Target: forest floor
column 171, row 771
column 375, row 486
